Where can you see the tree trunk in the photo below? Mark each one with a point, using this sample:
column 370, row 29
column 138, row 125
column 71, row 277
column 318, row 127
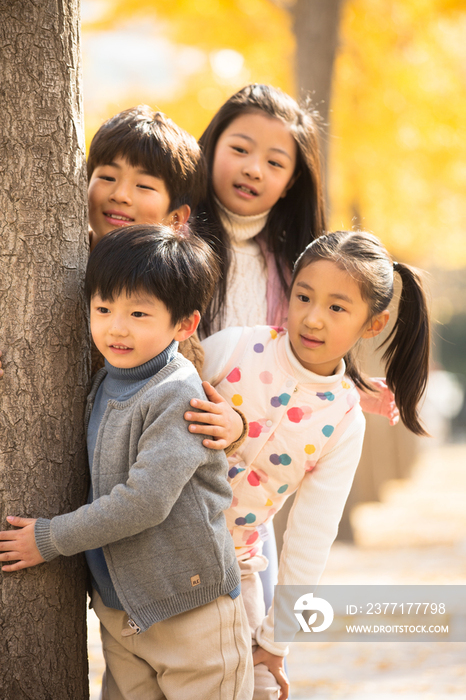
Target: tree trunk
column 43, row 337
column 316, row 24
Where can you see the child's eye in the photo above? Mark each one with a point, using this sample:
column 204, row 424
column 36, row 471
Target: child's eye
column 275, row 164
column 138, row 314
column 303, row 297
column 337, row 308
column 107, row 178
column 239, row 149
column 103, row 310
column 146, row 187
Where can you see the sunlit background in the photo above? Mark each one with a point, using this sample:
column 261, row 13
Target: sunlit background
column 397, row 144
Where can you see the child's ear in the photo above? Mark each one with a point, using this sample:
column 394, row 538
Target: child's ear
column 179, row 216
column 376, row 324
column 187, row 326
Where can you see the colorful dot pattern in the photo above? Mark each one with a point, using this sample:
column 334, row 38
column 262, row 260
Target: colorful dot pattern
column 325, row 395
column 280, row 459
column 295, row 414
column 234, row 471
column 289, row 426
column 282, row 400
column 234, row 376
column 247, row 520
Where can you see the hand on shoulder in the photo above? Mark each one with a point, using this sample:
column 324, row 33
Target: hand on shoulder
column 216, row 418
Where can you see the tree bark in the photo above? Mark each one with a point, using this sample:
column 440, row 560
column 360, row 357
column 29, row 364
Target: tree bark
column 43, row 336
column 316, row 24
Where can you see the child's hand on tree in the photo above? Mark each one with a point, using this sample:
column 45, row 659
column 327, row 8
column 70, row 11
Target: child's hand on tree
column 19, row 545
column 218, row 420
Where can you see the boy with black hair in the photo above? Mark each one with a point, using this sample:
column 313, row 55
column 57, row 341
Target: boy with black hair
column 163, row 565
column 142, row 169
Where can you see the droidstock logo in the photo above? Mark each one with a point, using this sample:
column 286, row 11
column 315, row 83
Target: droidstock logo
column 308, row 602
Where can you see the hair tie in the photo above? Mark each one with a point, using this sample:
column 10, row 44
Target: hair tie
column 396, row 265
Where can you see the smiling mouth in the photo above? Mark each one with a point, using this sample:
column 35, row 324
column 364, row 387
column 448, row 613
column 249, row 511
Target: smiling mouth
column 119, row 217
column 246, row 190
column 120, row 348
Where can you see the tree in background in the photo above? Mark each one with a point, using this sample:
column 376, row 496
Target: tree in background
column 316, row 27
column 43, row 336
column 396, row 138
column 208, row 50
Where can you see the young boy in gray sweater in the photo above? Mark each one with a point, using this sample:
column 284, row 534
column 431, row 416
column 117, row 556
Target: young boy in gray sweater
column 165, row 579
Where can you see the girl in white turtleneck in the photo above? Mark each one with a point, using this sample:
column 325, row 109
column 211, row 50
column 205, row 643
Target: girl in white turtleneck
column 264, row 202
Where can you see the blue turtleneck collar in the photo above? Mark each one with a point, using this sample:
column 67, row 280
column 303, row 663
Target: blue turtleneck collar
column 145, row 371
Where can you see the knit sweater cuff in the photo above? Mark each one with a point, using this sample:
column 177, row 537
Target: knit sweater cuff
column 44, row 542
column 234, row 445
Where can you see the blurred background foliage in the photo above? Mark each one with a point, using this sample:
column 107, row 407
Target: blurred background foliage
column 185, row 57
column 396, row 136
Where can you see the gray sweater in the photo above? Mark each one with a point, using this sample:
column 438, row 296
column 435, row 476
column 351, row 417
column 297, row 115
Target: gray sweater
column 159, row 501
column 119, row 384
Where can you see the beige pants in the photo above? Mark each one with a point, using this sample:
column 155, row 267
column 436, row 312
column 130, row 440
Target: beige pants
column 265, row 685
column 203, row 653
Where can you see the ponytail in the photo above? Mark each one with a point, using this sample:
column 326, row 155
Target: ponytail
column 363, row 256
column 407, row 354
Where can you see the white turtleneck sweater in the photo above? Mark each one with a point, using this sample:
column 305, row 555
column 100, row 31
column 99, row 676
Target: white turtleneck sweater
column 246, row 295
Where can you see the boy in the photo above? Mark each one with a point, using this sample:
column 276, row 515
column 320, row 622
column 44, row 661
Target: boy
column 142, row 169
column 162, row 561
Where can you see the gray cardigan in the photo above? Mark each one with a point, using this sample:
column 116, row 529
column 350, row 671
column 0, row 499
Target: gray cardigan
column 159, row 497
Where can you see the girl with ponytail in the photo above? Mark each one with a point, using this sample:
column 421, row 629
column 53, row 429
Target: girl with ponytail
column 299, row 390
column 363, row 257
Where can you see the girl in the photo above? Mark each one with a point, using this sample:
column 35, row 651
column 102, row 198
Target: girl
column 264, row 202
column 298, row 390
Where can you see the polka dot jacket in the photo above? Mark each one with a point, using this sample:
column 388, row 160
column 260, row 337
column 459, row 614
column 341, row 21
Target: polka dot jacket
column 291, row 424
